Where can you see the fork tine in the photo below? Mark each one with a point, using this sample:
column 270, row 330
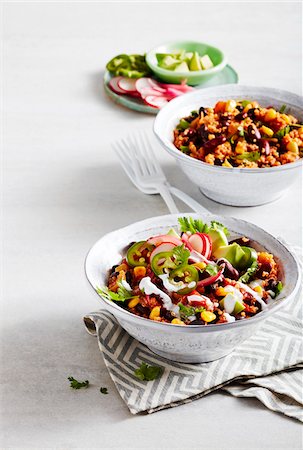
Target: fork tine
column 157, row 169
column 140, row 156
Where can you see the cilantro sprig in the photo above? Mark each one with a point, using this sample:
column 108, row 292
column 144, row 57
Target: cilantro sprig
column 103, row 390
column 75, row 384
column 181, row 254
column 198, row 226
column 148, row 373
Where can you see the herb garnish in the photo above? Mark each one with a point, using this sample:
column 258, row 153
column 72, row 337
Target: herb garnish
column 183, row 124
column 181, row 254
column 120, row 296
column 78, row 384
column 184, row 149
column 249, row 273
column 283, row 132
column 148, row 373
column 211, row 269
column 282, row 109
column 244, row 103
column 186, row 311
column 278, row 288
column 103, row 390
column 249, row 156
column 198, row 226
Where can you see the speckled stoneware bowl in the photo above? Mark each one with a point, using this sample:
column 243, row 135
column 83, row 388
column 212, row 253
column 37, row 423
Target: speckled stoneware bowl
column 196, row 343
column 230, row 186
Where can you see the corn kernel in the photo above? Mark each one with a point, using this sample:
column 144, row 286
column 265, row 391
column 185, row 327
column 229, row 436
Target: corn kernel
column 133, row 302
column 241, row 147
column 177, row 322
column 247, row 107
column 208, row 316
column 200, row 265
column 226, row 163
column 271, row 114
column 268, row 131
column 221, row 292
column 286, row 118
column 258, row 289
column 140, row 271
column 230, row 105
column 292, row 146
column 155, row 312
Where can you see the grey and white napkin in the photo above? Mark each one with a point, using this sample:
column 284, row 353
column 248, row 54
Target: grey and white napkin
column 268, row 366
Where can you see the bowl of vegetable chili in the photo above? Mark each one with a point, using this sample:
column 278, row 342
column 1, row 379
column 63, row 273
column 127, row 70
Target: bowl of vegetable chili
column 192, row 288
column 241, row 145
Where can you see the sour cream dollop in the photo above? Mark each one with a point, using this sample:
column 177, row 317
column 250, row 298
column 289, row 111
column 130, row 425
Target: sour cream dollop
column 149, row 288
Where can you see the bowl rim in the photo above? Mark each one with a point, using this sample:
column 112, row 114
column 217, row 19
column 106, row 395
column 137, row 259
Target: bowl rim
column 195, row 328
column 189, row 160
column 190, row 74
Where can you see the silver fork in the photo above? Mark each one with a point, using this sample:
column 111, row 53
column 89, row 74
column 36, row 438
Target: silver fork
column 137, row 158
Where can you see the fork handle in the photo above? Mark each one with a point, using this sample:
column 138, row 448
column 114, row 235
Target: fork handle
column 164, row 191
column 189, row 201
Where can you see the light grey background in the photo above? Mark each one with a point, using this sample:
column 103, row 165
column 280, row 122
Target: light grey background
column 63, row 189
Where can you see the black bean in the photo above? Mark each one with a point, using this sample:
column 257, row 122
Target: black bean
column 225, row 119
column 112, row 270
column 240, row 116
column 252, row 113
column 128, row 277
column 197, row 322
column 202, row 111
column 142, row 310
column 166, row 314
column 242, row 241
column 271, row 284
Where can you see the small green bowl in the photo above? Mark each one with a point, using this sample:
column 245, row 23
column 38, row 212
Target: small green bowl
column 193, row 77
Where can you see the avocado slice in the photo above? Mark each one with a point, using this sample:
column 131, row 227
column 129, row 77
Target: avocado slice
column 218, row 239
column 168, row 62
column 206, row 62
column 195, row 62
column 231, row 304
column 250, row 256
column 233, row 253
column 181, row 67
column 172, row 232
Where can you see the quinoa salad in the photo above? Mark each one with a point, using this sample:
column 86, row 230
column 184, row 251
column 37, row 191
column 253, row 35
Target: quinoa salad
column 240, row 134
column 194, row 276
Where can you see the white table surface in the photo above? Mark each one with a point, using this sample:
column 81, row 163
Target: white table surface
column 63, row 189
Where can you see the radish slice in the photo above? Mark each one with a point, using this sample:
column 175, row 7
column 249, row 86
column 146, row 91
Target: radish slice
column 128, row 85
column 201, row 242
column 184, row 238
column 149, row 91
column 114, row 85
column 164, row 247
column 157, row 240
column 142, row 83
column 155, row 85
column 156, row 101
column 197, row 257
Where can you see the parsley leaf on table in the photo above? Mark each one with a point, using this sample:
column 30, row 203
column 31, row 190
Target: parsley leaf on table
column 103, row 390
column 78, row 384
column 147, row 373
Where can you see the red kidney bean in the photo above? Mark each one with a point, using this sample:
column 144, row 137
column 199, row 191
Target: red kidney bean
column 253, row 133
column 229, row 270
column 213, row 143
column 265, row 147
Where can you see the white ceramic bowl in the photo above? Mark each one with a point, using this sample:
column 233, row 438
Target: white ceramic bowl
column 195, row 343
column 230, row 186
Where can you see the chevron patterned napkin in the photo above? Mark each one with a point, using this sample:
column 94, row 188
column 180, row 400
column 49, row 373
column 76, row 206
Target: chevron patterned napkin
column 268, row 366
